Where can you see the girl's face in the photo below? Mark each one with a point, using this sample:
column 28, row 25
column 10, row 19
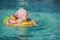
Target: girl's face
column 13, row 18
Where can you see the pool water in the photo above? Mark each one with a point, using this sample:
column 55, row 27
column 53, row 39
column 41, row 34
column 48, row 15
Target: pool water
column 48, row 29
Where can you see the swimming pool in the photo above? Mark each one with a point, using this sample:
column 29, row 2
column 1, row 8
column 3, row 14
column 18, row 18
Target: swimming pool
column 48, row 29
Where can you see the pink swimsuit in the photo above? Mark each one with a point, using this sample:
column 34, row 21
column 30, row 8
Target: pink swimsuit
column 21, row 13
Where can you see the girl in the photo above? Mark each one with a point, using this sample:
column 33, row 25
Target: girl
column 20, row 16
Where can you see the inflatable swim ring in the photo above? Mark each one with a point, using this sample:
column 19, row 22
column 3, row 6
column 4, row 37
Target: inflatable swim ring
column 26, row 23
column 5, row 19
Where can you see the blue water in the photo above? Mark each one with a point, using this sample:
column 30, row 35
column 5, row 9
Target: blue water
column 48, row 29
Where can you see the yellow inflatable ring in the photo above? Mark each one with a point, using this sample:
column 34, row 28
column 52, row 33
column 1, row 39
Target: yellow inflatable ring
column 26, row 23
column 5, row 19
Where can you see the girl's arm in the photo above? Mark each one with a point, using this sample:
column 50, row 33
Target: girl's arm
column 34, row 22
